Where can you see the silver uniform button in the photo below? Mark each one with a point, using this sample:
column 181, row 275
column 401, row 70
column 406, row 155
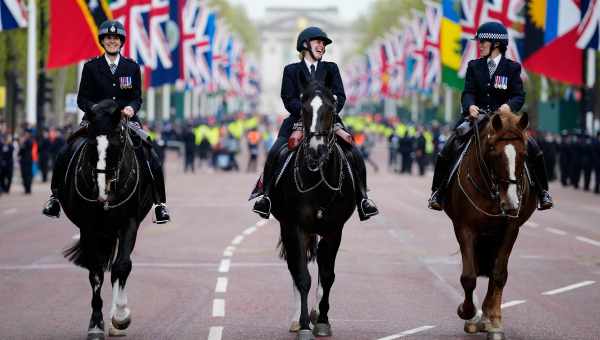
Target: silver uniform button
column 114, row 98
column 114, row 84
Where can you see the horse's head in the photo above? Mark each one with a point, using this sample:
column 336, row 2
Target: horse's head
column 506, row 149
column 318, row 112
column 107, row 132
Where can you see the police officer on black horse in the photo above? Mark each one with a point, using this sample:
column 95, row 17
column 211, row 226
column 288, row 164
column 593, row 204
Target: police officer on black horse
column 311, row 45
column 112, row 76
column 492, row 83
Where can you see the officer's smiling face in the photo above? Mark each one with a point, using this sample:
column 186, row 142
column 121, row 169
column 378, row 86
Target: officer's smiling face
column 111, row 43
column 484, row 47
column 318, row 48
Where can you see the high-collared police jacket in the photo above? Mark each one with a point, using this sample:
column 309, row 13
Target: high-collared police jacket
column 296, row 77
column 505, row 86
column 98, row 83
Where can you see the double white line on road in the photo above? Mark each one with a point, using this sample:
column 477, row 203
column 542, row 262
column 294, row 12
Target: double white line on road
column 561, row 232
column 218, row 309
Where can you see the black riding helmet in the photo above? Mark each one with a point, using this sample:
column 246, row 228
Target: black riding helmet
column 311, row 33
column 113, row 27
column 493, row 32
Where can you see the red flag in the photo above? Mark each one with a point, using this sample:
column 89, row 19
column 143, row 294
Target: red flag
column 74, row 31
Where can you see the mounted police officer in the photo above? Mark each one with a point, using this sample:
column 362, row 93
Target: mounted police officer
column 311, row 45
column 492, row 83
column 112, row 76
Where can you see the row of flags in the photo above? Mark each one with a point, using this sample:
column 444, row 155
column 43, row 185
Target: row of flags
column 180, row 42
column 547, row 36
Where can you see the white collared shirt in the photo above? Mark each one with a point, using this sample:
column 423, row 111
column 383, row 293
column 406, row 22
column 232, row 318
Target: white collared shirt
column 496, row 60
column 116, row 62
column 316, row 63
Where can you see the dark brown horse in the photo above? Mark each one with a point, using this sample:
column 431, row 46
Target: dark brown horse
column 488, row 200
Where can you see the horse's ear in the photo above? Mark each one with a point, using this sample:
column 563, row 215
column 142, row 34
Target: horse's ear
column 497, row 122
column 523, row 121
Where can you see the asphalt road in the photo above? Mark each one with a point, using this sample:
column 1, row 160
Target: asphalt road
column 213, row 273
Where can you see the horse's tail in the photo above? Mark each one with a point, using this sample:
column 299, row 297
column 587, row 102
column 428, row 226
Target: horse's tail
column 311, row 248
column 93, row 252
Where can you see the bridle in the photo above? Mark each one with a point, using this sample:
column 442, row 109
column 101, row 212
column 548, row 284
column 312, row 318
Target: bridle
column 491, row 180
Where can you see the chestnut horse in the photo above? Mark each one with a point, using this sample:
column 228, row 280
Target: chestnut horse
column 488, row 200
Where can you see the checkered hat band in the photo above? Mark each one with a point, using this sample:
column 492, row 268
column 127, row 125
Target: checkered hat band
column 492, row 36
column 106, row 31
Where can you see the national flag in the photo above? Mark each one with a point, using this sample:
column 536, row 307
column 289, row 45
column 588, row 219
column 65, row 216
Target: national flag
column 450, row 44
column 13, row 14
column 551, row 37
column 164, row 36
column 74, row 30
column 589, row 29
column 433, row 18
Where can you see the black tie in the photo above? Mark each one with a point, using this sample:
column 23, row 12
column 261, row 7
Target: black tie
column 312, row 71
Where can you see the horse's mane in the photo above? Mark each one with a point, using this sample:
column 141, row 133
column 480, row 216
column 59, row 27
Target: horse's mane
column 315, row 88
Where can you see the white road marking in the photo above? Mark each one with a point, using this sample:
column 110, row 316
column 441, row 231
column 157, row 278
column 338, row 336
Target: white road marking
column 512, row 303
column 556, row 231
column 408, row 332
column 229, row 251
column 221, row 285
column 588, row 240
column 249, row 230
column 215, row 333
column 237, row 240
column 569, row 287
column 10, row 211
column 218, row 308
column 261, row 223
column 224, row 266
column 531, row 224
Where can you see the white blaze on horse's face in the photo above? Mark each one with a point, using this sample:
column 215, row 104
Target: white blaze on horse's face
column 102, row 145
column 511, row 155
column 316, row 104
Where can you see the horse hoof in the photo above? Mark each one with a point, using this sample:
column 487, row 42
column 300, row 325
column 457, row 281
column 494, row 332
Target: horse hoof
column 314, row 315
column 124, row 322
column 294, row 327
column 466, row 314
column 305, row 334
column 472, row 325
column 322, row 329
column 95, row 334
column 113, row 332
column 495, row 335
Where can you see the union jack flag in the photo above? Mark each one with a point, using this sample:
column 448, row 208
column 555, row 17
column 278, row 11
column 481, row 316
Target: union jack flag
column 418, row 29
column 198, row 26
column 589, row 29
column 135, row 16
column 12, row 14
column 433, row 20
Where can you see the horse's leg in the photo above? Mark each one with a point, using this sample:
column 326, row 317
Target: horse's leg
column 493, row 299
column 96, row 327
column 326, row 254
column 119, row 312
column 294, row 242
column 468, row 277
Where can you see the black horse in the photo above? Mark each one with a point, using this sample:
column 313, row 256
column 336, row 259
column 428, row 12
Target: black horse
column 314, row 198
column 106, row 193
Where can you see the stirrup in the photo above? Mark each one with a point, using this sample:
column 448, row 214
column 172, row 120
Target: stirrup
column 434, row 202
column 366, row 215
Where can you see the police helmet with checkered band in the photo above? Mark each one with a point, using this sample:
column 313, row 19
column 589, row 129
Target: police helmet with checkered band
column 112, row 27
column 493, row 32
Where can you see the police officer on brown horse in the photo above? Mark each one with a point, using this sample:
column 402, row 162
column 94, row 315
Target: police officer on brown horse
column 311, row 45
column 492, row 83
column 112, row 76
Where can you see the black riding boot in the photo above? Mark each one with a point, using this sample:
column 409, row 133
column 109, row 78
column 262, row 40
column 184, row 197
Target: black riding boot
column 263, row 205
column 537, row 165
column 158, row 186
column 364, row 205
column 52, row 206
column 440, row 178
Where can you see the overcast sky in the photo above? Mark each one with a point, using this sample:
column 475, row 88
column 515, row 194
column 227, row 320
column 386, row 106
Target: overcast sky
column 349, row 9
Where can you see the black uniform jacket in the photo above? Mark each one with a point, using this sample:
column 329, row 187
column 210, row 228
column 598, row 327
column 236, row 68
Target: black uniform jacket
column 505, row 86
column 98, row 83
column 296, row 77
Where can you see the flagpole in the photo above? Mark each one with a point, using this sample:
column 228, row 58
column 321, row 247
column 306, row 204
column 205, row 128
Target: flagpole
column 166, row 102
column 590, row 79
column 447, row 103
column 31, row 117
column 151, row 105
